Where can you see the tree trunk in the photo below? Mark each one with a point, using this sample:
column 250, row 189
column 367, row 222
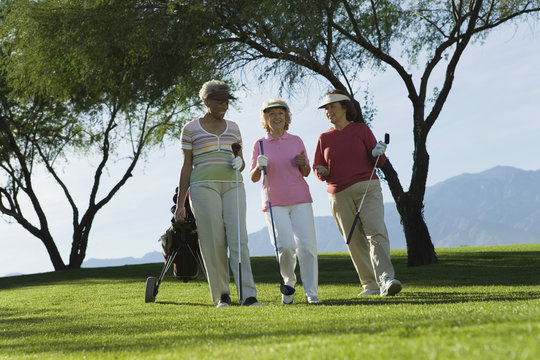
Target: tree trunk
column 420, row 249
column 81, row 233
column 53, row 252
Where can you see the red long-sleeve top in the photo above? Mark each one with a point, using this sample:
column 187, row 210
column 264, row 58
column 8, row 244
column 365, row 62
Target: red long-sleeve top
column 347, row 154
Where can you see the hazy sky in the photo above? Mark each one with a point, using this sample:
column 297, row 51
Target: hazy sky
column 491, row 118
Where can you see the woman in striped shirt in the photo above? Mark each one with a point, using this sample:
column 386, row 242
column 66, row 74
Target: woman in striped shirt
column 209, row 171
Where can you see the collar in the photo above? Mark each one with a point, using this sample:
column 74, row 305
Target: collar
column 269, row 137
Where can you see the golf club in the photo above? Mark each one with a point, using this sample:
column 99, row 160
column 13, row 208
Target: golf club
column 285, row 289
column 357, row 216
column 236, row 147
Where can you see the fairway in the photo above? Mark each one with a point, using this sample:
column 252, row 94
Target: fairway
column 477, row 303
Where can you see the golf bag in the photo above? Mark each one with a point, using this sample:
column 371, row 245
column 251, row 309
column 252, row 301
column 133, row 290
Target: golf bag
column 180, row 246
column 180, row 241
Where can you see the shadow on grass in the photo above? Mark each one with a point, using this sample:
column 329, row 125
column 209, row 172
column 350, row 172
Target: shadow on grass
column 479, row 268
column 455, row 268
column 436, row 298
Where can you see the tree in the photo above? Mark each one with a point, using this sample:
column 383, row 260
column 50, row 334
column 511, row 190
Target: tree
column 336, row 39
column 92, row 78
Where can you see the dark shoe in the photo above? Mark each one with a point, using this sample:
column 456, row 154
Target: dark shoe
column 224, row 301
column 251, row 301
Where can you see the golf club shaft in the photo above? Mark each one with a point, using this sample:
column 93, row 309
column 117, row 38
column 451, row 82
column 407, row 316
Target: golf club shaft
column 239, row 248
column 236, row 149
column 271, row 215
column 357, row 215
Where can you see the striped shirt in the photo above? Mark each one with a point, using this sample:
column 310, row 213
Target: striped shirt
column 212, row 154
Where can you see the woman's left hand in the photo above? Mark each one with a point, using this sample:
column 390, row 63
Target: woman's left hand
column 300, row 159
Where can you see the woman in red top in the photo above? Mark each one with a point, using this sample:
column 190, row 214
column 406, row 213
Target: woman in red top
column 344, row 158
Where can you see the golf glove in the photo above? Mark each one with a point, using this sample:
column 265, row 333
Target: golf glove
column 379, row 149
column 262, row 161
column 237, row 163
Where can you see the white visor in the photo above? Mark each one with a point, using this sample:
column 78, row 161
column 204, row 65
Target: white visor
column 273, row 105
column 331, row 98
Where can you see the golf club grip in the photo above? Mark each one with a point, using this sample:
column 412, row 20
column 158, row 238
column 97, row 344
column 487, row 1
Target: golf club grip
column 387, row 138
column 262, row 153
column 240, row 295
column 236, row 147
column 352, row 227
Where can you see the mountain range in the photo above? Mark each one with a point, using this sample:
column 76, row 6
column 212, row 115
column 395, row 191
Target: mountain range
column 500, row 206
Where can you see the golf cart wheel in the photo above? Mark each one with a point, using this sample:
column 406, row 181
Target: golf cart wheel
column 150, row 294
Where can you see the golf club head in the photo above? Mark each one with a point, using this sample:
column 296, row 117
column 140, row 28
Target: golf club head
column 286, row 289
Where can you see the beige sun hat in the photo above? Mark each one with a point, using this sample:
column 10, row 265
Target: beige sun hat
column 331, row 98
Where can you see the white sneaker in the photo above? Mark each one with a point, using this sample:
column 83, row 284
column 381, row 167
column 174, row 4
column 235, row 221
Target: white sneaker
column 313, row 299
column 390, row 287
column 224, row 301
column 287, row 299
column 370, row 292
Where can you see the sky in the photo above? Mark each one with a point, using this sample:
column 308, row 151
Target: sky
column 491, row 118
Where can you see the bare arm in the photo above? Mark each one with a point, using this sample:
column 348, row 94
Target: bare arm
column 183, row 186
column 255, row 174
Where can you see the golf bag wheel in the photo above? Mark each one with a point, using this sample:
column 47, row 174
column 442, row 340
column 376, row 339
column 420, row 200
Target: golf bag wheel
column 150, row 294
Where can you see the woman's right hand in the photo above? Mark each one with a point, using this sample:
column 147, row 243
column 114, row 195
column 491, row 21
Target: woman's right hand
column 180, row 214
column 262, row 161
column 322, row 172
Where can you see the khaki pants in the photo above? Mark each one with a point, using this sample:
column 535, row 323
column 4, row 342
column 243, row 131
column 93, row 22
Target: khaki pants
column 369, row 247
column 214, row 207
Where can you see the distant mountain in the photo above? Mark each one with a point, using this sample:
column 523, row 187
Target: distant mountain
column 496, row 207
column 152, row 257
column 500, row 206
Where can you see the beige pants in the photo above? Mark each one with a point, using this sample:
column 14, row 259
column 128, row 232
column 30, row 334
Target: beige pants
column 214, row 207
column 369, row 247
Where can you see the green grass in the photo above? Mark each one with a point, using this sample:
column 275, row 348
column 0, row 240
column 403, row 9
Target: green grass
column 477, row 303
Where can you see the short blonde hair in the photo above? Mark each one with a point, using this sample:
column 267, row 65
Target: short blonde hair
column 271, row 103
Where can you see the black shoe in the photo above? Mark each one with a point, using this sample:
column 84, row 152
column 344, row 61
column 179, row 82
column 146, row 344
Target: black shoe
column 224, row 301
column 251, row 301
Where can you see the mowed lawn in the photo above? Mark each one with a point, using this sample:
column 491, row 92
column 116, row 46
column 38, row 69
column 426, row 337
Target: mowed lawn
column 477, row 303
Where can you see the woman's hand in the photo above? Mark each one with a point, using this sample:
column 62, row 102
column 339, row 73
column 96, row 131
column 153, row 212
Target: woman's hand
column 237, row 163
column 322, row 172
column 180, row 214
column 262, row 161
column 300, row 159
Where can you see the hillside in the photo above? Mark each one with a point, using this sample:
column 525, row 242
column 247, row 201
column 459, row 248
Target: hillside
column 500, row 206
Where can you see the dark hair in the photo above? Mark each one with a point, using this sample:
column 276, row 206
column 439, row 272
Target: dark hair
column 348, row 105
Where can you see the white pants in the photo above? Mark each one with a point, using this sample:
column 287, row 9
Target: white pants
column 214, row 207
column 295, row 235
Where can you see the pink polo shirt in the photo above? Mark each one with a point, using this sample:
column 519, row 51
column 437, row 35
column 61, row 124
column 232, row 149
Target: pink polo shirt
column 287, row 186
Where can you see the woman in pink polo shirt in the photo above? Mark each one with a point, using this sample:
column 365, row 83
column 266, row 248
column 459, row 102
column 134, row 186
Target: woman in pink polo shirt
column 287, row 165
